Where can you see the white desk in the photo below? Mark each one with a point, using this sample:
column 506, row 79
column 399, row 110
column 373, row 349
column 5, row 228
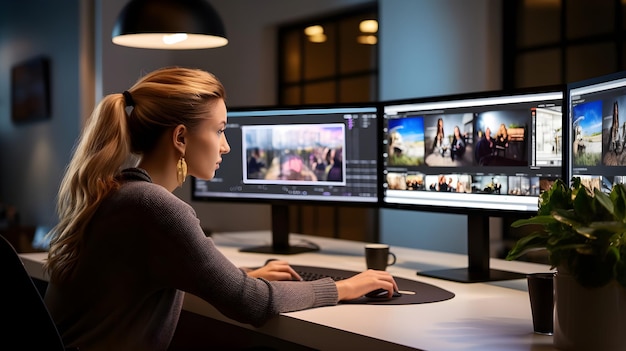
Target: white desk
column 481, row 316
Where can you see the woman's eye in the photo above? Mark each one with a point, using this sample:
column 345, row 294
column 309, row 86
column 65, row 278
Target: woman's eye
column 221, row 131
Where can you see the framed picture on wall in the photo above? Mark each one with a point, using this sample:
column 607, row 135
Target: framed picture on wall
column 30, row 90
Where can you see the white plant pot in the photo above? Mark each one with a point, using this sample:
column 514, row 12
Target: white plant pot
column 588, row 318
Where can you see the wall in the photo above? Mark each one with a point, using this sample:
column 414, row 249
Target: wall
column 426, row 48
column 33, row 155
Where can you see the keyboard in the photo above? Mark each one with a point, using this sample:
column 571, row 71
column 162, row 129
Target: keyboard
column 309, row 276
column 309, row 273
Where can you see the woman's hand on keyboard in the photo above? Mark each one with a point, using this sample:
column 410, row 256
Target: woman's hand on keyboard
column 363, row 283
column 275, row 270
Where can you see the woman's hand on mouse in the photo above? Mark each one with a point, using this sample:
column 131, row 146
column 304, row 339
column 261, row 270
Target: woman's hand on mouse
column 275, row 270
column 363, row 283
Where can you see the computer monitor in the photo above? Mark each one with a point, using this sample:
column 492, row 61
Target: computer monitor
column 480, row 154
column 325, row 154
column 597, row 131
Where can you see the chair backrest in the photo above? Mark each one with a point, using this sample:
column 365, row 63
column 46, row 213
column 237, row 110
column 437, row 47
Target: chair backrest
column 26, row 321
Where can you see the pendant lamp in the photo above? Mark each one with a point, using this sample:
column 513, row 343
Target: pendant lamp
column 169, row 24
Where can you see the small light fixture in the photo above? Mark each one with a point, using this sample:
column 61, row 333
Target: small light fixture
column 313, row 30
column 367, row 39
column 368, row 26
column 169, row 24
column 315, row 34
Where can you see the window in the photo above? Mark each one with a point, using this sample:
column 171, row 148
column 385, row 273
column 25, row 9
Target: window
column 330, row 59
column 556, row 41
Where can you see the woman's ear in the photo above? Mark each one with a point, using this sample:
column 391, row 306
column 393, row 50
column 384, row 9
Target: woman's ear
column 179, row 138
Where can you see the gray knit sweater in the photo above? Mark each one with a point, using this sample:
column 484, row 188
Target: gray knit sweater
column 143, row 248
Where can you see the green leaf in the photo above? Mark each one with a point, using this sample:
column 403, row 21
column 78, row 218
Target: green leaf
column 557, row 197
column 604, row 200
column 546, row 219
column 576, row 183
column 534, row 241
column 618, row 198
column 566, row 217
column 587, row 232
column 609, row 226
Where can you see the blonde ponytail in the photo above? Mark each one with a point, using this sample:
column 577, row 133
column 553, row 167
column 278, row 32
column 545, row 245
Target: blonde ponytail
column 100, row 153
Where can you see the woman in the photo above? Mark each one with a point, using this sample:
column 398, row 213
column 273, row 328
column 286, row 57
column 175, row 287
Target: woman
column 125, row 248
column 502, row 138
column 458, row 145
column 438, row 144
column 614, row 137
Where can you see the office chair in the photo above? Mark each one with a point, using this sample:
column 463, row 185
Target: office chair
column 26, row 322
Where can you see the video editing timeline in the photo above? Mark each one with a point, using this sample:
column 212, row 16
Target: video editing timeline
column 301, row 153
column 473, row 152
column 598, row 132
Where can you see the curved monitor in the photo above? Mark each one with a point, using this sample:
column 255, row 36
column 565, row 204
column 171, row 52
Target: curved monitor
column 597, row 131
column 477, row 154
column 325, row 154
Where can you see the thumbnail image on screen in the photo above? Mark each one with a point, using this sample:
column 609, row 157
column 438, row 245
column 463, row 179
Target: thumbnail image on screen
column 473, row 152
column 598, row 132
column 327, row 153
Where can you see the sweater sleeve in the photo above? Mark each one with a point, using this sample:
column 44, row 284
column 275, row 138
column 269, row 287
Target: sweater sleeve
column 187, row 260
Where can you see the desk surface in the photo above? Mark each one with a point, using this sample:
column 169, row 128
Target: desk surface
column 481, row 316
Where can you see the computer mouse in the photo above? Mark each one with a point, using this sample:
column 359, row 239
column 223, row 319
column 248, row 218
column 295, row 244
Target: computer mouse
column 382, row 294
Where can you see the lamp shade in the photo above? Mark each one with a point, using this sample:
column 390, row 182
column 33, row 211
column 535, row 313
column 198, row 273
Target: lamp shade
column 169, row 24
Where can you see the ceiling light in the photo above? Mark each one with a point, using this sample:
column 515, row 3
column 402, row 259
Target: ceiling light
column 367, row 39
column 169, row 24
column 317, row 38
column 314, row 30
column 368, row 26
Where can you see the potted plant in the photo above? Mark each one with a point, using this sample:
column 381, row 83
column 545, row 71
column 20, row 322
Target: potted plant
column 584, row 233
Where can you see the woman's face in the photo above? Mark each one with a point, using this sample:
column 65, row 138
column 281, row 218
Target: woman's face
column 207, row 143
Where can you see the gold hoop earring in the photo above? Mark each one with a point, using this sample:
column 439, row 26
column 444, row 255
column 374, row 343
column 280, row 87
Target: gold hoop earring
column 181, row 170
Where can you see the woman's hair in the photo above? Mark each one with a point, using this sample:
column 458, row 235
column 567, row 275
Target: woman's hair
column 502, row 131
column 112, row 138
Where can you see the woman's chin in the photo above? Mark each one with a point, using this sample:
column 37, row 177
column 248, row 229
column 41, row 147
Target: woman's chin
column 205, row 176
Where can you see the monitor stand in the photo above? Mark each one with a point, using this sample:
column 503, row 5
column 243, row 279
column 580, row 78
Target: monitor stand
column 280, row 235
column 478, row 257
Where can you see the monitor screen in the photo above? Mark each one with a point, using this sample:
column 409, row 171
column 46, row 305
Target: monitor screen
column 489, row 152
column 481, row 154
column 597, row 133
column 326, row 154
